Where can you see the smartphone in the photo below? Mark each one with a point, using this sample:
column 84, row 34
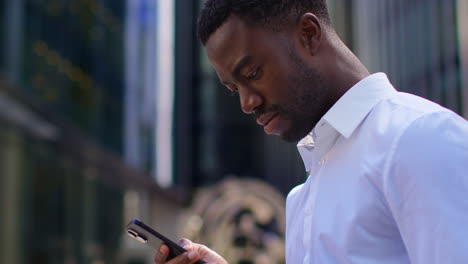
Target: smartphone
column 145, row 234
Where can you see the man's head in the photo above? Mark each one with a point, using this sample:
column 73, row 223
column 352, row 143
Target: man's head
column 269, row 13
column 272, row 53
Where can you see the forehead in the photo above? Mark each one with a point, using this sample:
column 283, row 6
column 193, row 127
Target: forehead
column 236, row 39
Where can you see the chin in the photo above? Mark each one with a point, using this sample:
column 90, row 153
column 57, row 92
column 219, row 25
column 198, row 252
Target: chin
column 293, row 137
column 295, row 134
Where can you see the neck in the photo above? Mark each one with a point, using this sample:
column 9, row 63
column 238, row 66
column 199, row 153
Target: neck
column 347, row 69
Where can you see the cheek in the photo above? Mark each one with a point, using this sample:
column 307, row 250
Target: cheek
column 276, row 85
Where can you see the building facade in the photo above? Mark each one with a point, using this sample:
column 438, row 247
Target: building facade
column 78, row 130
column 421, row 45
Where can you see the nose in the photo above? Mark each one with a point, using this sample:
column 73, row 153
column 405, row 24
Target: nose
column 249, row 100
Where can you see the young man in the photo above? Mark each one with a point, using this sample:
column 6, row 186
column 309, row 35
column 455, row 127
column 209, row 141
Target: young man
column 388, row 171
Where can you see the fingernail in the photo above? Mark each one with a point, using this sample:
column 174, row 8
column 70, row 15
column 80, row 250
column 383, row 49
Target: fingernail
column 192, row 255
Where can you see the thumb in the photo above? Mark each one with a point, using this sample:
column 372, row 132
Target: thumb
column 186, row 244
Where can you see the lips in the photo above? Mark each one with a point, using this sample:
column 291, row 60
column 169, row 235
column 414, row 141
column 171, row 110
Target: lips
column 266, row 118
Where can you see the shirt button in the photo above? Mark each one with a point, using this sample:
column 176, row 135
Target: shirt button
column 322, row 161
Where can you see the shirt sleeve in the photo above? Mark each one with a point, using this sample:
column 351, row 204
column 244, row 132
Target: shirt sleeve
column 427, row 188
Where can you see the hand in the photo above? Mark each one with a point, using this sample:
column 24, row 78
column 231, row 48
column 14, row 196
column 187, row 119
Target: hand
column 195, row 253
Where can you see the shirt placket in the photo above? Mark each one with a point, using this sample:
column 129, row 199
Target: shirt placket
column 308, row 217
column 319, row 153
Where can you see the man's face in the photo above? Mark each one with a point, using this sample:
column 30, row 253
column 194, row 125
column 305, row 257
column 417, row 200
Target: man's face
column 287, row 96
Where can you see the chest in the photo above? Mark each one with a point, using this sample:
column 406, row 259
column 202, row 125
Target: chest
column 341, row 213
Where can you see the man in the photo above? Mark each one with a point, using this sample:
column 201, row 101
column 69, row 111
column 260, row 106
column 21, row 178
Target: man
column 388, row 171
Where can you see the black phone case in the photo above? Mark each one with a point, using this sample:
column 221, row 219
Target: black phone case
column 153, row 238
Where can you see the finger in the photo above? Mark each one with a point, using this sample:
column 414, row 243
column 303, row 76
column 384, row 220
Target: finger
column 162, row 254
column 208, row 254
column 185, row 258
column 193, row 256
column 186, row 244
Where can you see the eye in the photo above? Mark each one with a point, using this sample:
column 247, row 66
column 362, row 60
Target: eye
column 255, row 75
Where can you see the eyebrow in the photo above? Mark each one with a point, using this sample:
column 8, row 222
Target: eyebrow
column 238, row 67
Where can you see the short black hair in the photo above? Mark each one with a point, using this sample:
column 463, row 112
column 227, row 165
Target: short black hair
column 271, row 13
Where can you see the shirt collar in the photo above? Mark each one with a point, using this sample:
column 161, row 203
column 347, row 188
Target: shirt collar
column 347, row 113
column 351, row 109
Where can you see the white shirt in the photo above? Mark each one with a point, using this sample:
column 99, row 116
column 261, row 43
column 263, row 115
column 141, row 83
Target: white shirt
column 388, row 182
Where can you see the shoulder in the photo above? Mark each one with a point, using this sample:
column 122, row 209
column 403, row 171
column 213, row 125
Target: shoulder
column 439, row 134
column 404, row 108
column 400, row 113
column 403, row 126
column 425, row 123
column 423, row 129
column 429, row 156
column 436, row 127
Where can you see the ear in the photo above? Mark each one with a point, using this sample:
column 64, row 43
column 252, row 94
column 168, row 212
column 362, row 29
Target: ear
column 310, row 31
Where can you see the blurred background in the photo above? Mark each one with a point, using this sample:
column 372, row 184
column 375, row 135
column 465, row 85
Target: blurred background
column 109, row 110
